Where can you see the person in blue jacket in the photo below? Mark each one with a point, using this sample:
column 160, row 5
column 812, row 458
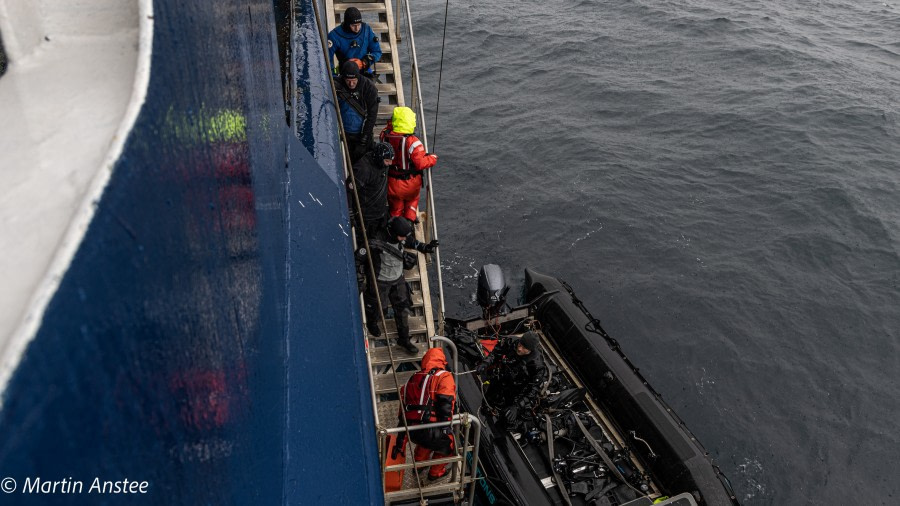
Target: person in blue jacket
column 358, row 102
column 354, row 40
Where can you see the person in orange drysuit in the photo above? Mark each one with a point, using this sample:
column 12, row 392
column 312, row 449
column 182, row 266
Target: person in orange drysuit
column 430, row 396
column 410, row 160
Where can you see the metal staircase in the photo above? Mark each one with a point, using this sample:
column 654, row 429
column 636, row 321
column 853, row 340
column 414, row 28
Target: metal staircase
column 390, row 364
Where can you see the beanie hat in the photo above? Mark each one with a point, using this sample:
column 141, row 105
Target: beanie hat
column 352, row 15
column 350, row 70
column 399, row 226
column 530, row 341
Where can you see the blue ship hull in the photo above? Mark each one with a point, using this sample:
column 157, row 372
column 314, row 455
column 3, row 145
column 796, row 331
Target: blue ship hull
column 206, row 338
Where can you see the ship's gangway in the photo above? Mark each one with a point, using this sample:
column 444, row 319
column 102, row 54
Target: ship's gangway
column 390, row 365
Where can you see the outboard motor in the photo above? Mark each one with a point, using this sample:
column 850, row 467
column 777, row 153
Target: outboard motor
column 492, row 290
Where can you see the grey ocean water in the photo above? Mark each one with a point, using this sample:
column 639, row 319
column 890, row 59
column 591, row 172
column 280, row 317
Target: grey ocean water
column 720, row 182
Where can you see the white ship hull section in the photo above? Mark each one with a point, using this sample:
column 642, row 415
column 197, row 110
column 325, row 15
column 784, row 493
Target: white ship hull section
column 77, row 77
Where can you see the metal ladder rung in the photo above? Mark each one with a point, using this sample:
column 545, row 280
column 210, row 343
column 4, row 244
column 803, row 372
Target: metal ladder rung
column 423, row 463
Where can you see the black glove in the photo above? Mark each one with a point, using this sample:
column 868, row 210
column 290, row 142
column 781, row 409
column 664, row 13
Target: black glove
column 510, row 415
column 480, row 369
column 369, row 60
column 367, row 142
column 398, row 446
column 446, row 430
column 430, row 246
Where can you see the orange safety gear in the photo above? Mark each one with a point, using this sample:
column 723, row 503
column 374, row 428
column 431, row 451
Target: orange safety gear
column 405, row 174
column 359, row 63
column 430, row 396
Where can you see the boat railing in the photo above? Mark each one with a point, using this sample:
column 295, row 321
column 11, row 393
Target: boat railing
column 463, row 472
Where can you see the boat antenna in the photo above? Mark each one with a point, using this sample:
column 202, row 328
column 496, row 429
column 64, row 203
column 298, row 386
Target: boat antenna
column 437, row 107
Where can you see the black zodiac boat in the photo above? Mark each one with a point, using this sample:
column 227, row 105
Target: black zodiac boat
column 600, row 435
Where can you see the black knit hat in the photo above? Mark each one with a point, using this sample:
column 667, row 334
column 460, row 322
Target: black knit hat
column 400, row 226
column 352, row 15
column 350, row 70
column 530, row 341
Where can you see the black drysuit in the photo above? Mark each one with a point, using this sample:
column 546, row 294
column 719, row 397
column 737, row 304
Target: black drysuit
column 371, row 186
column 515, row 381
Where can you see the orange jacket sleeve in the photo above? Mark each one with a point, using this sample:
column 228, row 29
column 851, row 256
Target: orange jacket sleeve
column 444, row 397
column 417, row 155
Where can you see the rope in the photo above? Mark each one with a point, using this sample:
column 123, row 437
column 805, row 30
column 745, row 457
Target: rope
column 437, row 107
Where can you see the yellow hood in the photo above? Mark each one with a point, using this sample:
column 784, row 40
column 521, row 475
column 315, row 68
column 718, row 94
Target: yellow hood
column 403, row 121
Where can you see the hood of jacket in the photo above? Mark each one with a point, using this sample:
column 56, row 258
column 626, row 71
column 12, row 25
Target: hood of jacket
column 403, row 120
column 434, row 358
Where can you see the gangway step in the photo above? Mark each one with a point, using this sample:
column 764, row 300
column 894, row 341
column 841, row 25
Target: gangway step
column 388, row 413
column 416, row 298
column 416, row 326
column 430, row 491
column 381, row 356
column 386, row 88
column 385, row 110
column 384, row 383
column 364, row 7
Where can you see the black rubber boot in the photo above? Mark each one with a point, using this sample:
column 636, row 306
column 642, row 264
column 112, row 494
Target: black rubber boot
column 373, row 329
column 403, row 336
column 408, row 346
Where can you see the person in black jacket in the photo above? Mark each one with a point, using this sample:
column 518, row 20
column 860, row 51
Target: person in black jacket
column 516, row 372
column 390, row 259
column 358, row 103
column 371, row 175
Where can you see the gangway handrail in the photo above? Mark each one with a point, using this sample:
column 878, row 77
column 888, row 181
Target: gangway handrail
column 430, row 217
column 465, row 419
